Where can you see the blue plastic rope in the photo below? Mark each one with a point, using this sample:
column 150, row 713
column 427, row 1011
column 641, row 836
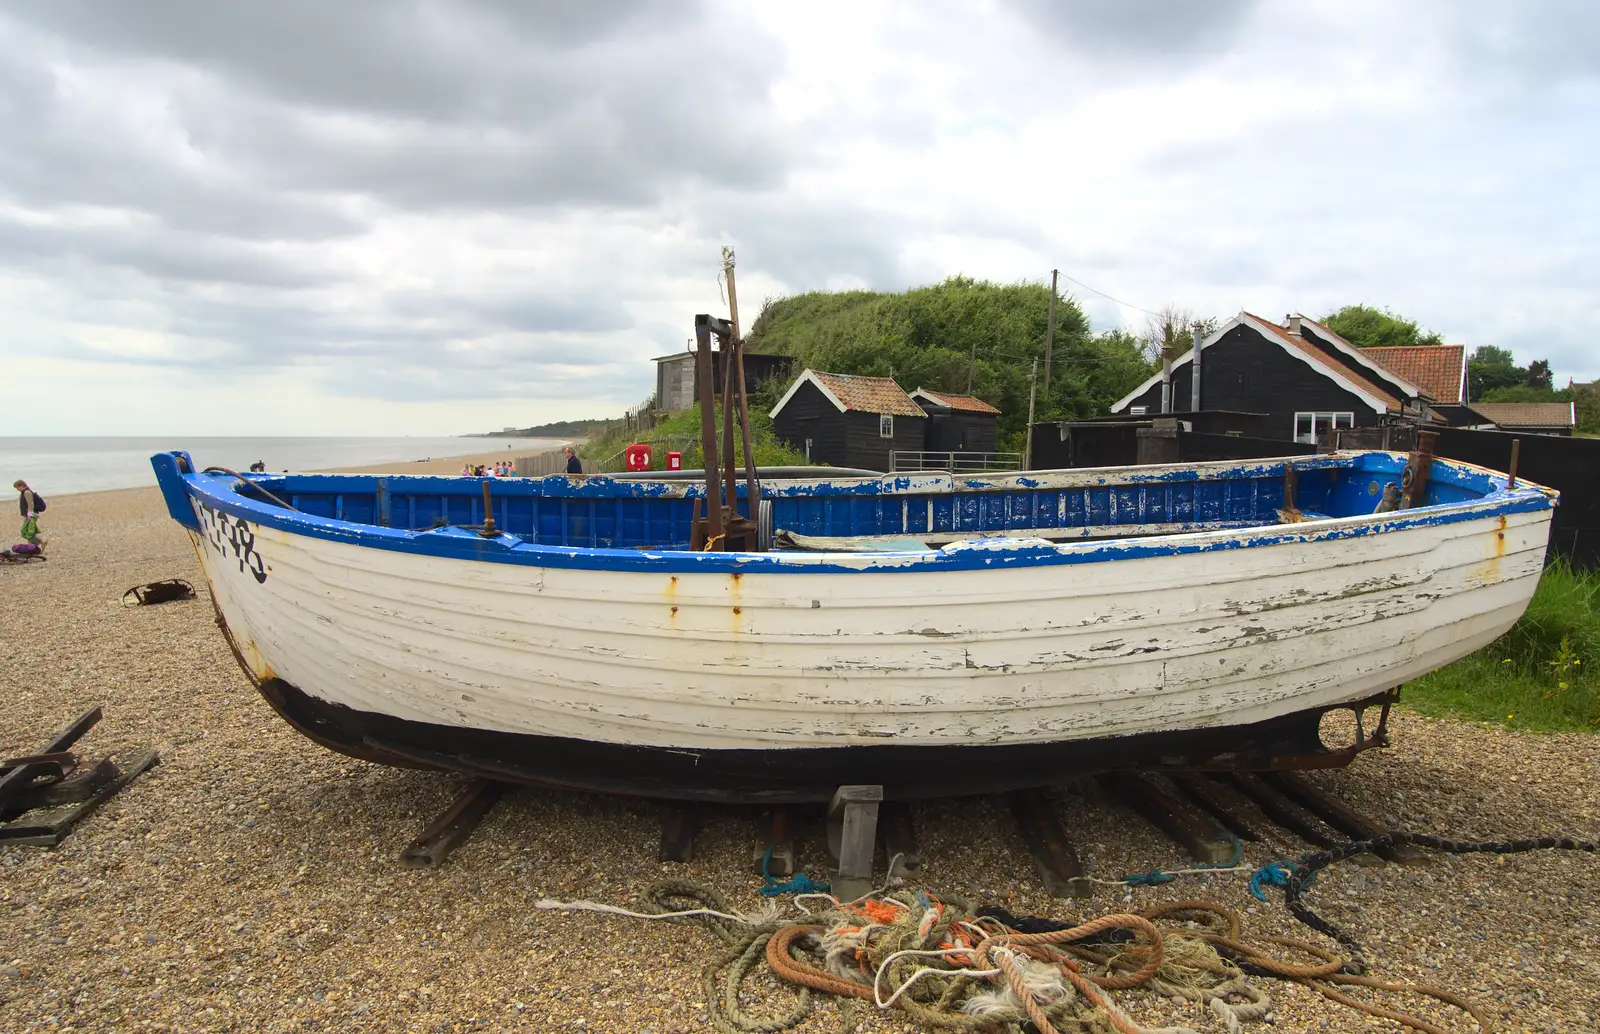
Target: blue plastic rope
column 1274, row 874
column 1156, row 877
column 799, row 883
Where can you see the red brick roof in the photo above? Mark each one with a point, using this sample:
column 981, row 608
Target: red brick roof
column 1436, row 369
column 1526, row 414
column 1327, row 362
column 966, row 403
column 868, row 394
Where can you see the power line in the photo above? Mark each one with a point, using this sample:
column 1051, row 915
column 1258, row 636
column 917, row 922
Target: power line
column 1119, row 301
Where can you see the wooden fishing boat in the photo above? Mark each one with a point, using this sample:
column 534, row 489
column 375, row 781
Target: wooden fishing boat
column 953, row 635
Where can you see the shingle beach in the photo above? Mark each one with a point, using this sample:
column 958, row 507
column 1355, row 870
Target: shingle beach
column 251, row 881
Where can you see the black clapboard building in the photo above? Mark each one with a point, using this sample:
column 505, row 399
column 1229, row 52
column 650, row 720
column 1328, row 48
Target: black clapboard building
column 958, row 423
column 844, row 420
column 1302, row 376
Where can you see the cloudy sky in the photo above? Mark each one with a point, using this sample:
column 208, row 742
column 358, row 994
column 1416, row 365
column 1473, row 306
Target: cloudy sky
column 440, row 216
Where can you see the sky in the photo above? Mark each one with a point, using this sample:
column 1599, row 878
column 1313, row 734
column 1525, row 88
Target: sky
column 447, row 216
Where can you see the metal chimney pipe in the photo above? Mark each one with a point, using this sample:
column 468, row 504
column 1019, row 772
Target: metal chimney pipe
column 1194, row 374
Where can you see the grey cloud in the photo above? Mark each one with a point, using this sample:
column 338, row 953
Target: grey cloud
column 1139, row 28
column 430, row 59
column 157, row 253
column 519, row 311
column 468, row 104
column 1540, row 41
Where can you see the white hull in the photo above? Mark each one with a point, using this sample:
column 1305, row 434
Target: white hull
column 771, row 660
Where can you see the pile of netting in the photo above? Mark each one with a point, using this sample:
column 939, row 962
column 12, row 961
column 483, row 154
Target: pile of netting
column 950, row 967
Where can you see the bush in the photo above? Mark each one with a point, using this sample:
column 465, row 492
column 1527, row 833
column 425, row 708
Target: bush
column 1536, row 676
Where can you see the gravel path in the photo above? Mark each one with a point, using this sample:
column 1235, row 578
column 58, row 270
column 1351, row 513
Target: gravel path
column 250, row 882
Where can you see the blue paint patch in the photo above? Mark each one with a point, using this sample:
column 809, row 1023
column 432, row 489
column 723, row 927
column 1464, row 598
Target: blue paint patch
column 602, row 524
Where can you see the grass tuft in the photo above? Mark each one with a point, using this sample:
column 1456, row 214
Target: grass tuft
column 1541, row 675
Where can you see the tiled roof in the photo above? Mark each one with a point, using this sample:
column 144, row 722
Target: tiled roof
column 1527, row 414
column 868, row 394
column 1436, row 369
column 1327, row 362
column 965, row 403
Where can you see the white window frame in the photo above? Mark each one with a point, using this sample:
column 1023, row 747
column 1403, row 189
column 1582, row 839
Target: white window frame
column 885, row 425
column 1321, row 420
column 1137, row 410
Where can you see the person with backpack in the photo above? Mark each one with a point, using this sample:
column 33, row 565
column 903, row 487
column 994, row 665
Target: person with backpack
column 31, row 505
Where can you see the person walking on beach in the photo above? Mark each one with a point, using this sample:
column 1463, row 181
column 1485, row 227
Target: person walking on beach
column 574, row 465
column 31, row 505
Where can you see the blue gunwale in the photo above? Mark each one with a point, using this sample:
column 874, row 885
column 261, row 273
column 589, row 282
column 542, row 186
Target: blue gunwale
column 1465, row 492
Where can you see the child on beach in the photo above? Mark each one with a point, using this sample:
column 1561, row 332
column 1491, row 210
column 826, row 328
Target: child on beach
column 30, row 505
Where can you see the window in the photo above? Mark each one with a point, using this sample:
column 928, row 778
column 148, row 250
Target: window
column 1136, row 410
column 885, row 425
column 1308, row 425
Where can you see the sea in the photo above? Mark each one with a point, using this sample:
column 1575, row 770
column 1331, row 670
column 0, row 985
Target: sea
column 60, row 466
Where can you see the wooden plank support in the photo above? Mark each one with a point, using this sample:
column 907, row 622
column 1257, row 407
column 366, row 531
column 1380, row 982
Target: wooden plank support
column 680, row 821
column 1340, row 815
column 48, row 827
column 1195, row 832
column 775, row 835
column 1206, row 795
column 1283, row 811
column 853, row 838
column 450, row 829
column 15, row 778
column 900, row 845
column 1060, row 869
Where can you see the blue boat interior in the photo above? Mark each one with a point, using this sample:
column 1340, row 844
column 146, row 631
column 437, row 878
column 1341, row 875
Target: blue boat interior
column 601, row 512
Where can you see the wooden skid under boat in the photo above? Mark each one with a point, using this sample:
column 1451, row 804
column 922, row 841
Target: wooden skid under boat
column 956, row 634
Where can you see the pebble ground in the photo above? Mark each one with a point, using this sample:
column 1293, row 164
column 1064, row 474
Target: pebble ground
column 251, row 882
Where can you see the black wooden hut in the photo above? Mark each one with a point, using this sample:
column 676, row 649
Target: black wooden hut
column 1303, row 377
column 844, row 420
column 958, row 423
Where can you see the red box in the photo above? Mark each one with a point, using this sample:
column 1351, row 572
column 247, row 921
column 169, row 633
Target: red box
column 638, row 457
column 674, row 461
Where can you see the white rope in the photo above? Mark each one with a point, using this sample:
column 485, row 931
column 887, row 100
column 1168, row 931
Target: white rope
column 877, row 989
column 550, row 904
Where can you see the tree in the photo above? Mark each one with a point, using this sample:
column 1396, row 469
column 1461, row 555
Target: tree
column 1366, row 327
column 1587, row 403
column 1539, row 374
column 1170, row 333
column 1489, row 368
column 961, row 331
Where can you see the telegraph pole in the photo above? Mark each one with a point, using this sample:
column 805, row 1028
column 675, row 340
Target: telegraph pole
column 1050, row 332
column 1027, row 452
